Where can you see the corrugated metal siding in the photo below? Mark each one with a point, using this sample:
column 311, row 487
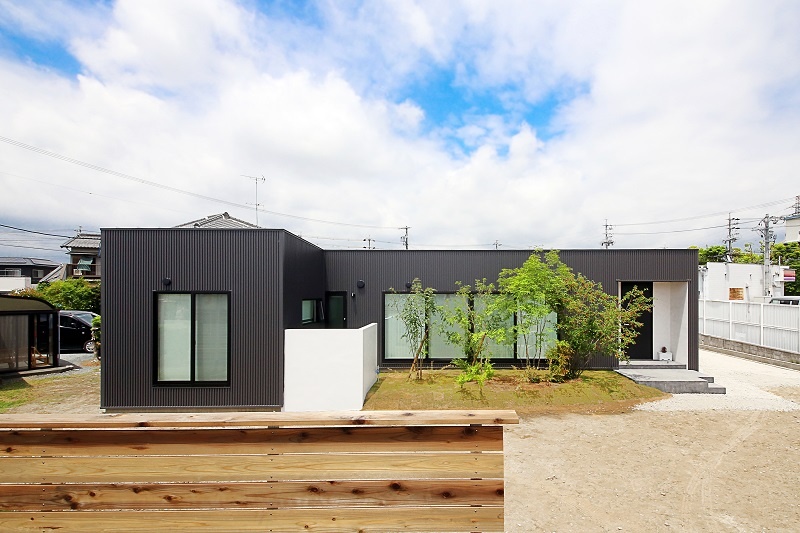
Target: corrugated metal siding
column 384, row 269
column 244, row 262
column 304, row 277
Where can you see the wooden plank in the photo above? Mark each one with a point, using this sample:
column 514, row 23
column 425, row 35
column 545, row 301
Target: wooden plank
column 250, row 468
column 288, row 494
column 146, row 441
column 375, row 519
column 261, row 419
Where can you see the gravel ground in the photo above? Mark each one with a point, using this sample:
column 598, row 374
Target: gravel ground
column 750, row 386
column 692, row 462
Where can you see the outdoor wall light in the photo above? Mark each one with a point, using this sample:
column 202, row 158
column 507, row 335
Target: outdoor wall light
column 167, row 282
column 360, row 284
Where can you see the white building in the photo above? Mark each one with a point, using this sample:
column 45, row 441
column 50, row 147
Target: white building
column 743, row 282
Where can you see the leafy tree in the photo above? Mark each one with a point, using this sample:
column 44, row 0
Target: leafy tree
column 75, row 293
column 523, row 291
column 590, row 321
column 416, row 311
column 789, row 254
column 711, row 254
column 469, row 325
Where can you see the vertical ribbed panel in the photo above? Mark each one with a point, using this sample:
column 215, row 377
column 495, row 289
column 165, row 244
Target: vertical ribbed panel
column 384, row 269
column 269, row 273
column 244, row 262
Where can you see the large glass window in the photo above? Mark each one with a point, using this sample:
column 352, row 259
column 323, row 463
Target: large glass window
column 192, row 338
column 396, row 347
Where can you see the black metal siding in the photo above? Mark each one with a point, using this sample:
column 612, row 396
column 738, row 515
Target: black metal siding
column 382, row 270
column 304, row 277
column 244, row 262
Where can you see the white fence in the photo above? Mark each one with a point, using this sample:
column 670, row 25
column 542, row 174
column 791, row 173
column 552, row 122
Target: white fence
column 769, row 325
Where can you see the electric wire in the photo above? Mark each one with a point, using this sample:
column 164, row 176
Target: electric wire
column 142, row 181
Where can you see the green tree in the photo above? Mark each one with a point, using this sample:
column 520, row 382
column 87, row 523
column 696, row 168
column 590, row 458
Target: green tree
column 75, row 293
column 523, row 291
column 590, row 321
column 711, row 254
column 788, row 253
column 468, row 325
column 416, row 312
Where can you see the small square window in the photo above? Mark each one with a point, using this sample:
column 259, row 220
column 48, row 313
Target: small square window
column 310, row 313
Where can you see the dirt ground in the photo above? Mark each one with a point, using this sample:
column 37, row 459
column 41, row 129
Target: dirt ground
column 655, row 471
column 706, row 470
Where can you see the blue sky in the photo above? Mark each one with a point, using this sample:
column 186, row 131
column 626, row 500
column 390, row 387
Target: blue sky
column 523, row 122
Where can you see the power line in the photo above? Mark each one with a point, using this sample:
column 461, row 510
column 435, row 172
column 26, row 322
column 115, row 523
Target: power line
column 36, row 232
column 129, row 177
column 671, row 231
column 29, row 247
column 767, row 204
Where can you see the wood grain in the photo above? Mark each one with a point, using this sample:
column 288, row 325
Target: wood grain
column 374, row 519
column 146, row 441
column 148, row 469
column 289, row 494
column 261, row 419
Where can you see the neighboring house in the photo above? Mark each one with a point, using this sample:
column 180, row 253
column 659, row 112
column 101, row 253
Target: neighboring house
column 792, row 228
column 84, row 256
column 220, row 221
column 196, row 319
column 18, row 273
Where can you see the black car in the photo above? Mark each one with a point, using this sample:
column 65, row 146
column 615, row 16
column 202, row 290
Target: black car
column 76, row 331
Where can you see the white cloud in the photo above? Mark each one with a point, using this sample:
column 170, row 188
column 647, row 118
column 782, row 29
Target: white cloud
column 684, row 109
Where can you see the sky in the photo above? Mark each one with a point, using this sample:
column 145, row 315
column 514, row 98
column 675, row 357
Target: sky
column 476, row 124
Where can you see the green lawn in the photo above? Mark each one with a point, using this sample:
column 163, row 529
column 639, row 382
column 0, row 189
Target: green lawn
column 595, row 392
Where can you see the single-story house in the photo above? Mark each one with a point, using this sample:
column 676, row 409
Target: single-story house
column 197, row 319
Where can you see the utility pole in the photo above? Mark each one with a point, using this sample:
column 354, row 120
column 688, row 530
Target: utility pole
column 765, row 229
column 733, row 235
column 369, row 246
column 497, row 244
column 262, row 179
column 404, row 238
column 609, row 238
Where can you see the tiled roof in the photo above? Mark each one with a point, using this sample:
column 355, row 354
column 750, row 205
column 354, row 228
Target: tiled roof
column 83, row 240
column 220, row 221
column 27, row 261
column 58, row 273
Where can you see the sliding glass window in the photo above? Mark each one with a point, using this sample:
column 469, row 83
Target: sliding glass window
column 192, row 338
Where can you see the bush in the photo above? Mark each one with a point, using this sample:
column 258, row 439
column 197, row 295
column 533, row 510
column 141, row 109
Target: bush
column 559, row 358
column 479, row 372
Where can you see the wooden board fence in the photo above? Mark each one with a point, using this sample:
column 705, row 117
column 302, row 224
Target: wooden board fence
column 354, row 471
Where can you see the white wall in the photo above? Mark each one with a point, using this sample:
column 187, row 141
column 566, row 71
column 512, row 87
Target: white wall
column 329, row 369
column 671, row 319
column 13, row 283
column 720, row 277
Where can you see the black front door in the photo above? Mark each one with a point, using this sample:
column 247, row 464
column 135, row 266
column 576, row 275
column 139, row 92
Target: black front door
column 336, row 310
column 642, row 347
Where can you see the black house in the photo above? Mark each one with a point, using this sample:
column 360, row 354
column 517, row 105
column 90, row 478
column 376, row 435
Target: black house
column 195, row 319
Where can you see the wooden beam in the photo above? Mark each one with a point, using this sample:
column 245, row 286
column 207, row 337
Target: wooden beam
column 148, row 441
column 245, row 495
column 260, row 419
column 332, row 466
column 376, row 519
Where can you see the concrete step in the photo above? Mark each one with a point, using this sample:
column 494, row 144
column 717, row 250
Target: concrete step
column 661, row 365
column 672, row 380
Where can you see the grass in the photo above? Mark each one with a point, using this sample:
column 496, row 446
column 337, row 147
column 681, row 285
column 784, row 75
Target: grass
column 52, row 393
column 598, row 391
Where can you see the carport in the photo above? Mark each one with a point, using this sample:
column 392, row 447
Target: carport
column 28, row 334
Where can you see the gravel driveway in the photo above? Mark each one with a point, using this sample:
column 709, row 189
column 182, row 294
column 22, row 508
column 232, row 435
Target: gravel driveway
column 692, row 462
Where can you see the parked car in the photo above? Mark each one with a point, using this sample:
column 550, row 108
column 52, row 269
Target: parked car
column 75, row 329
column 786, row 300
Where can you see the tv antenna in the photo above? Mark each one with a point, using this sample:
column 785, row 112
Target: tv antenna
column 262, row 179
